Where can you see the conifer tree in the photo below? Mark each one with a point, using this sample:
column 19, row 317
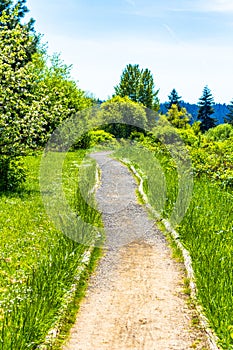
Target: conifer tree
column 229, row 117
column 174, row 99
column 206, row 110
column 15, row 12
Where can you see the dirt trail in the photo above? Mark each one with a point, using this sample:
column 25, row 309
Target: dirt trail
column 135, row 300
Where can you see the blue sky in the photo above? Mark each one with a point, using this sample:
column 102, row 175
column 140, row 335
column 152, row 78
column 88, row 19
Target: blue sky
column 186, row 44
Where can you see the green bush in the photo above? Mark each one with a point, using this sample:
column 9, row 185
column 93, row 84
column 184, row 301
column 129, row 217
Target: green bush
column 215, row 160
column 95, row 137
column 12, row 173
column 136, row 135
column 188, row 136
column 221, row 132
column 83, row 142
column 101, row 137
column 120, row 116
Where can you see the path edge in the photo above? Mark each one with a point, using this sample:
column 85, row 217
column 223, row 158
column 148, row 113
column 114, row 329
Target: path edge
column 54, row 332
column 212, row 338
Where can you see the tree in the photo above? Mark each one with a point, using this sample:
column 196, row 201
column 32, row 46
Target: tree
column 120, row 116
column 5, row 5
column 34, row 98
column 178, row 118
column 174, row 99
column 19, row 9
column 206, row 110
column 56, row 96
column 17, row 82
column 229, row 117
column 138, row 85
column 16, row 12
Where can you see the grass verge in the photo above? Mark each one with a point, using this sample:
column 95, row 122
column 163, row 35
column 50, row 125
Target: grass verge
column 206, row 232
column 38, row 263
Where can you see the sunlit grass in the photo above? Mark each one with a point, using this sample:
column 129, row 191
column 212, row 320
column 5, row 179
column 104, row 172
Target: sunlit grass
column 206, row 231
column 38, row 262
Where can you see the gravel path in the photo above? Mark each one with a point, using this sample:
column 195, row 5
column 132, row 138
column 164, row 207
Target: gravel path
column 135, row 300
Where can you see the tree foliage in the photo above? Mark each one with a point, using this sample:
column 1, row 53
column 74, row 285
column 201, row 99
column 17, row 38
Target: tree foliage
column 221, row 132
column 174, row 99
column 138, row 85
column 178, row 118
column 229, row 117
column 34, row 97
column 16, row 12
column 17, row 83
column 206, row 110
column 57, row 96
column 121, row 116
column 9, row 7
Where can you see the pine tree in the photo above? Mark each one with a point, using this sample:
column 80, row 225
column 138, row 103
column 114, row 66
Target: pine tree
column 174, row 99
column 206, row 110
column 229, row 117
column 8, row 7
column 5, row 5
column 15, row 12
column 138, row 85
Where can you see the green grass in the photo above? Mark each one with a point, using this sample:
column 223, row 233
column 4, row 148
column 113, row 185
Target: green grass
column 206, row 231
column 154, row 180
column 69, row 317
column 38, row 263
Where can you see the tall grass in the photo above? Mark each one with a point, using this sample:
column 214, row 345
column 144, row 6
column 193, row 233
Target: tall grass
column 38, row 262
column 207, row 233
column 160, row 178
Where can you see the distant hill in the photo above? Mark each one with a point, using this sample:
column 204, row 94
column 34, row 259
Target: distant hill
column 220, row 110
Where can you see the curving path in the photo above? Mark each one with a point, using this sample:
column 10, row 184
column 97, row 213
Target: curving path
column 135, row 300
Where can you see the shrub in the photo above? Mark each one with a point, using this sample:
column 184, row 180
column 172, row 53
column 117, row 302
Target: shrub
column 221, row 132
column 101, row 137
column 12, row 173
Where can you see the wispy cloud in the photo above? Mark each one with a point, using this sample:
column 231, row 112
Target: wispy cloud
column 172, row 33
column 161, row 9
column 219, row 5
column 131, row 2
column 223, row 6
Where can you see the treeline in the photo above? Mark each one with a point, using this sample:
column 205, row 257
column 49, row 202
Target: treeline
column 220, row 110
column 139, row 87
column 220, row 115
